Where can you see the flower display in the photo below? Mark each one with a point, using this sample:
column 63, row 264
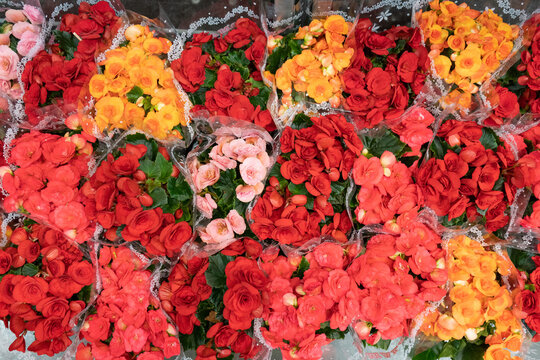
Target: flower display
column 411, row 260
column 239, row 160
column 306, row 194
column 221, row 74
column 139, row 196
column 45, row 183
column 482, row 307
column 387, row 71
column 19, row 37
column 127, row 318
column 310, row 300
column 46, row 282
column 296, row 182
column 465, row 45
column 136, row 89
column 310, row 61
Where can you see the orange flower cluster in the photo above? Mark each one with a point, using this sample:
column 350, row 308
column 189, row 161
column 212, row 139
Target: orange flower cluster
column 466, row 46
column 316, row 70
column 136, row 88
column 477, row 298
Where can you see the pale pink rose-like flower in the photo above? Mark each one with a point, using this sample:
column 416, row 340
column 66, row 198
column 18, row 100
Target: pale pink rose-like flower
column 265, row 159
column 8, row 63
column 33, row 14
column 4, row 39
column 221, row 141
column 21, row 27
column 222, row 162
column 218, row 231
column 252, row 171
column 206, row 205
column 257, row 141
column 237, row 222
column 245, row 193
column 259, row 187
column 14, row 16
column 207, row 175
column 27, row 42
column 230, row 148
column 5, row 86
column 193, row 167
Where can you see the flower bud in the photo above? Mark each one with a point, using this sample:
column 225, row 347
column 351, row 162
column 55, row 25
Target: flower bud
column 179, row 213
column 17, row 261
column 299, row 200
column 164, row 152
column 387, row 159
column 454, row 140
column 362, row 329
column 5, row 170
column 171, row 330
column 321, row 201
column 392, row 226
column 133, row 32
column 18, row 236
column 276, row 200
column 471, row 334
column 387, row 172
column 523, row 80
column 139, row 175
column 274, row 182
column 334, row 174
column 374, row 338
column 365, row 152
column 175, row 171
column 167, row 306
column 360, row 215
column 289, row 299
column 300, row 290
column 51, row 253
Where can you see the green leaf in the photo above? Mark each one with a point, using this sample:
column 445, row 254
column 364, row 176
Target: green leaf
column 13, row 42
column 489, row 139
column 150, row 168
column 215, row 274
column 165, row 168
column 193, row 340
column 338, row 194
column 472, row 352
column 460, row 220
column 388, row 142
column 29, row 270
column 208, row 47
column 261, row 99
column 301, row 269
column 159, row 196
column 276, row 171
column 438, row 148
column 298, row 189
column 301, row 121
column 67, row 42
column 198, row 97
column 383, row 344
column 124, row 43
column 179, row 189
column 522, row 260
column 288, row 48
column 210, row 78
column 134, row 94
column 431, row 353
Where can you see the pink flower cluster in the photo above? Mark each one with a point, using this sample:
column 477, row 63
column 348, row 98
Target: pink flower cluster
column 128, row 320
column 223, row 231
column 24, row 26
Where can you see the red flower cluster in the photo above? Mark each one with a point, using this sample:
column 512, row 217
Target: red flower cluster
column 297, row 305
column 313, row 160
column 45, row 184
column 386, row 67
column 47, row 77
column 96, row 25
column 527, row 174
column 226, row 342
column 386, row 189
column 471, row 181
column 127, row 320
column 414, row 128
column 116, row 197
column 530, row 300
column 507, row 107
column 47, row 299
column 398, row 275
column 237, row 92
column 183, row 290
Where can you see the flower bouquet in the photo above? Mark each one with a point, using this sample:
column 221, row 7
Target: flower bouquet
column 203, row 294
column 221, row 74
column 19, row 37
column 45, row 183
column 228, row 170
column 482, row 316
column 467, row 177
column 309, row 299
column 46, row 283
column 136, row 88
column 126, row 319
column 138, row 195
column 466, row 47
column 306, row 195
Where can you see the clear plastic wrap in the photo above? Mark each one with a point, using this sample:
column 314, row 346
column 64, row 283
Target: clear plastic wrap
column 227, row 169
column 483, row 306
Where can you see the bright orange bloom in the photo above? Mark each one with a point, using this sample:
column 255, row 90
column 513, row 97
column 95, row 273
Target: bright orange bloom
column 319, row 90
column 98, row 86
